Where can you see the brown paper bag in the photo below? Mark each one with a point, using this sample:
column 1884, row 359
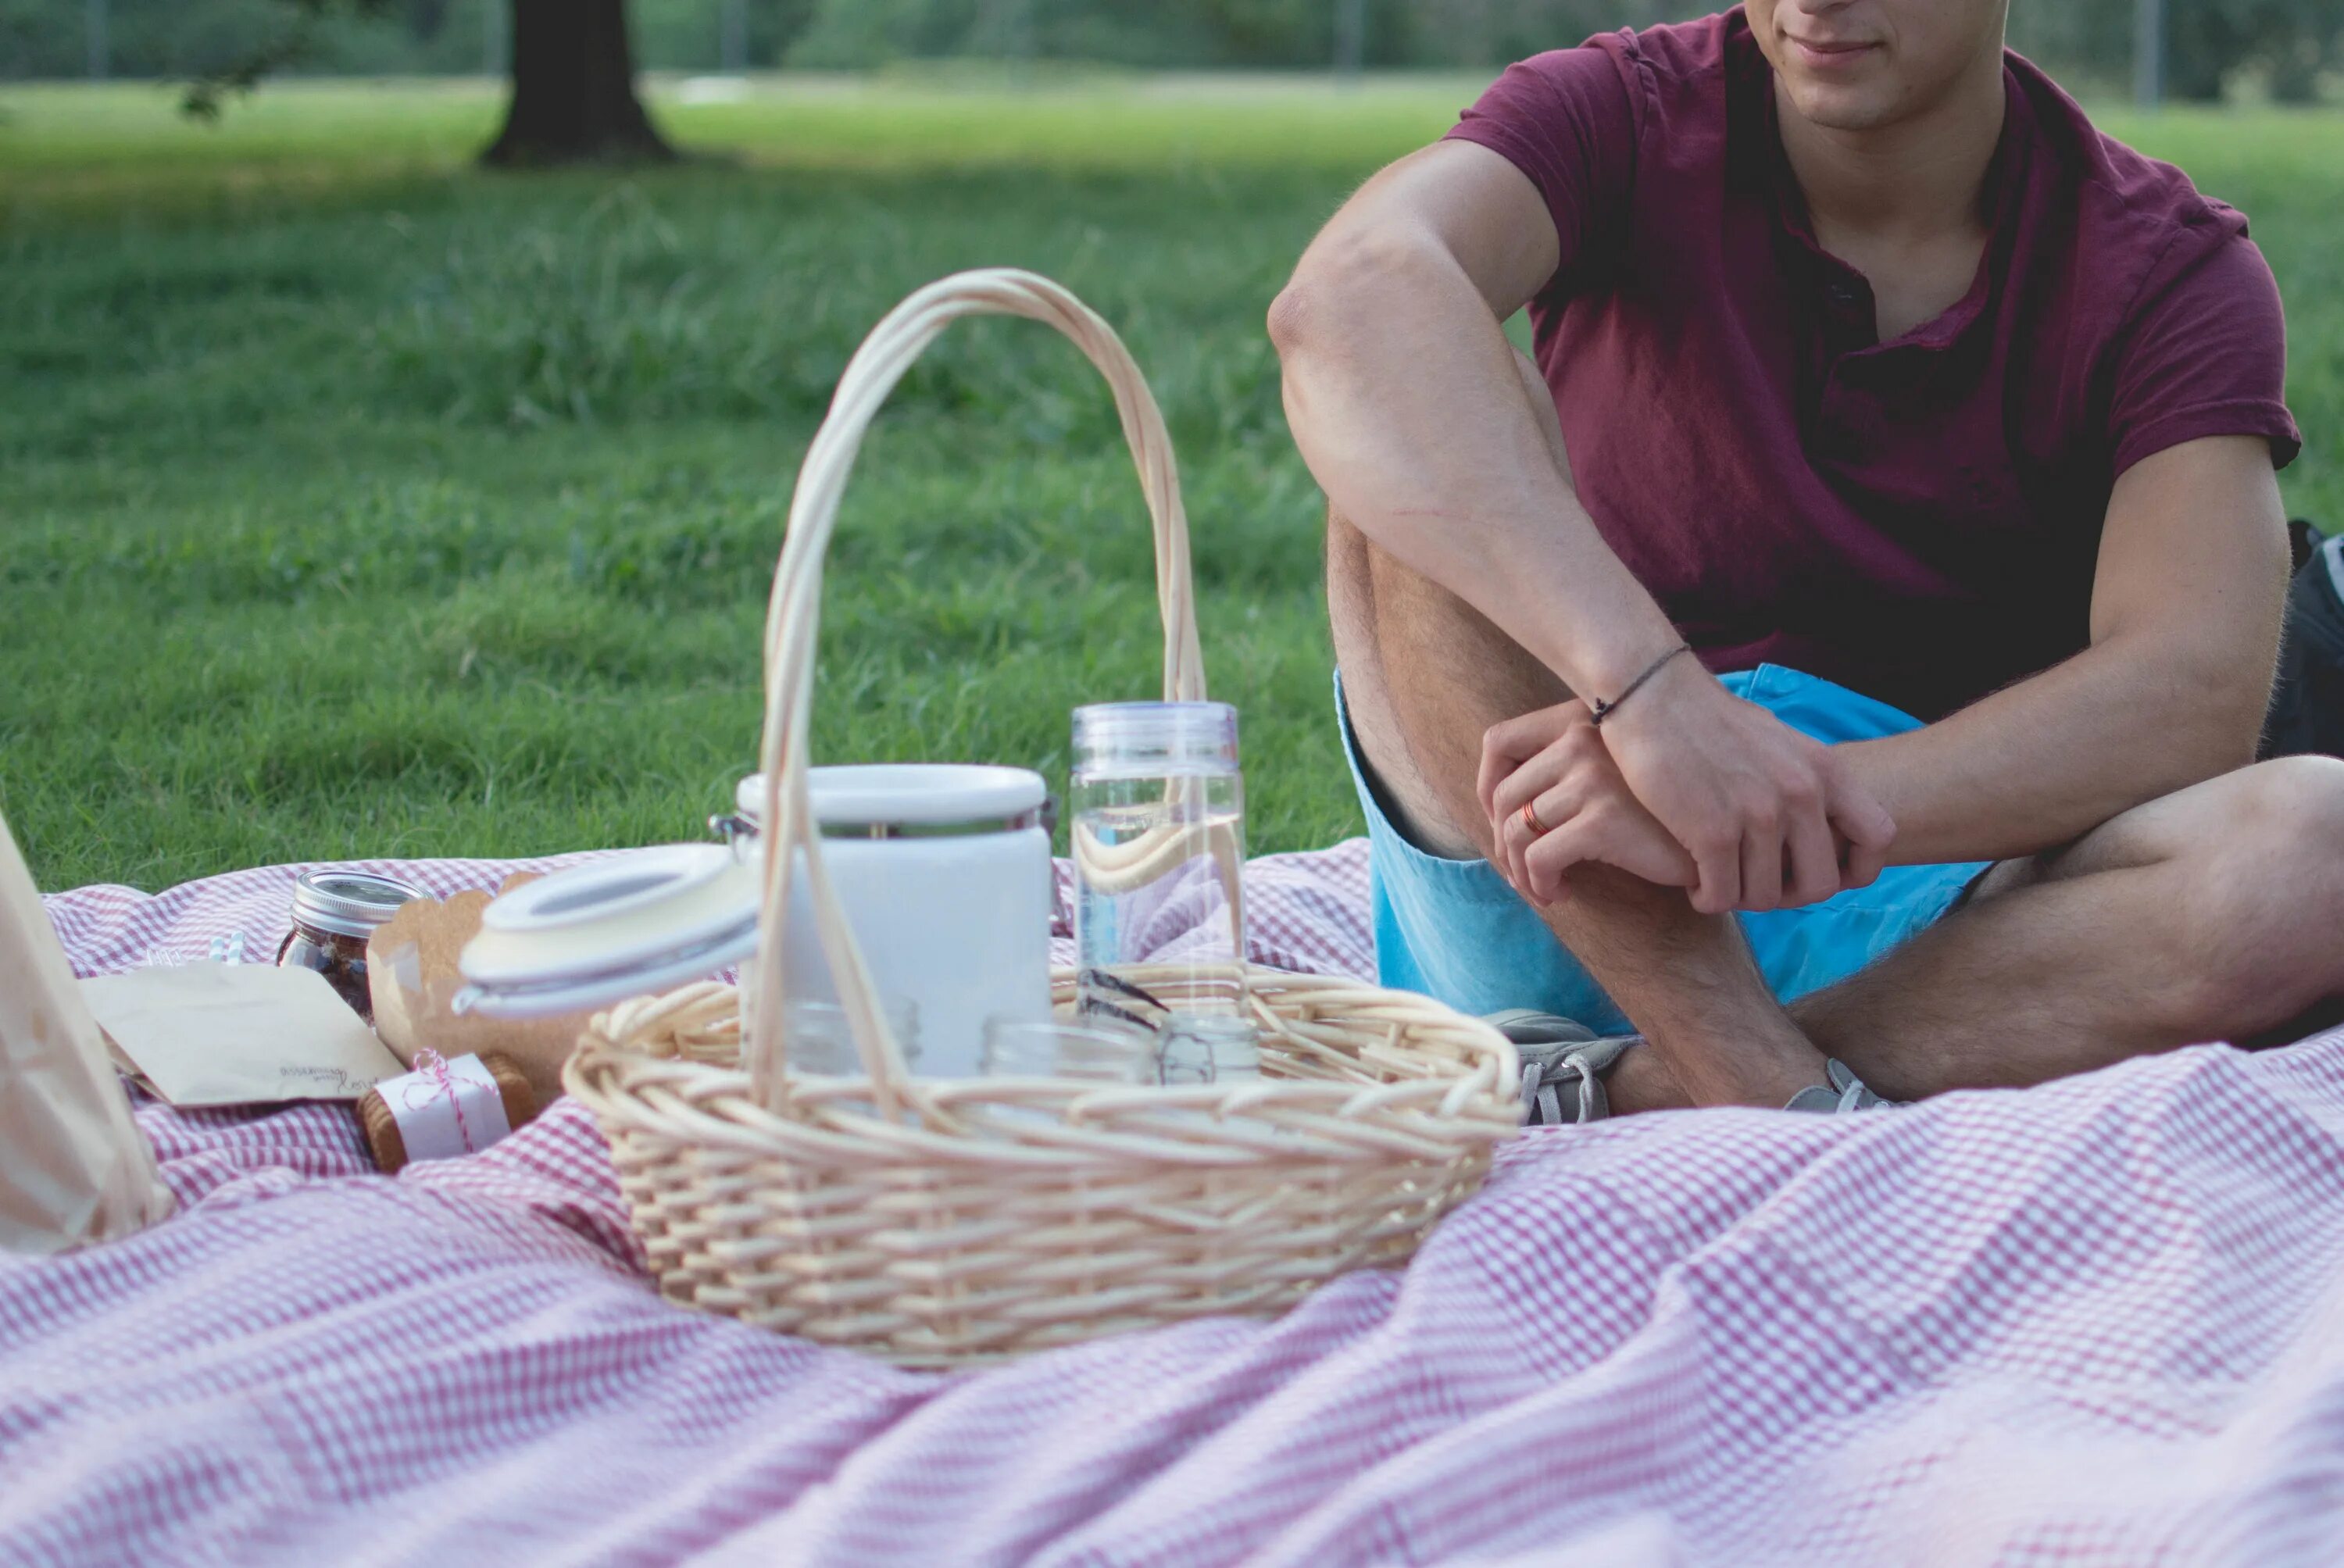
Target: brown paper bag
column 411, row 972
column 238, row 1034
column 74, row 1167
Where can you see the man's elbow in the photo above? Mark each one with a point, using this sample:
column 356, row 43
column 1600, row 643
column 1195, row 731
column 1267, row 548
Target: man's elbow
column 1343, row 284
column 1291, row 316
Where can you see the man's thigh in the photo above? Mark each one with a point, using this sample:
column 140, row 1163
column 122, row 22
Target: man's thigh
column 2241, row 883
column 2194, row 819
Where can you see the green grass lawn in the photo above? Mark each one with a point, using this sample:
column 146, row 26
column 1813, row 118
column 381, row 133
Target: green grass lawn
column 353, row 502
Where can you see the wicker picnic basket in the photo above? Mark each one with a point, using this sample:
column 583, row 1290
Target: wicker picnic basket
column 943, row 1223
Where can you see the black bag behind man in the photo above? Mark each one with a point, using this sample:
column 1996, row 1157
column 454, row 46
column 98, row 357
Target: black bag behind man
column 2307, row 707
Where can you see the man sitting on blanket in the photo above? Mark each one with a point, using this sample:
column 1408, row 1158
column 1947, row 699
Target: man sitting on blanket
column 1942, row 427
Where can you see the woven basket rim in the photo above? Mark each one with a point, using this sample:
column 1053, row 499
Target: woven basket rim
column 1063, row 1124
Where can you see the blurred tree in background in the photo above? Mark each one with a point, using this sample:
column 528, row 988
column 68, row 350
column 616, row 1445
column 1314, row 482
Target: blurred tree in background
column 188, row 38
column 2291, row 42
column 1181, row 34
column 2284, row 47
column 573, row 86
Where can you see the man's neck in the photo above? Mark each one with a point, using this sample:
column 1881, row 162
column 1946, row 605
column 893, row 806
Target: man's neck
column 1919, row 176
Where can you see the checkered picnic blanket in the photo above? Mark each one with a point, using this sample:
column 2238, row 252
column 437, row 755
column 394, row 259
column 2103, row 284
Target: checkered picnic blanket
column 2100, row 1322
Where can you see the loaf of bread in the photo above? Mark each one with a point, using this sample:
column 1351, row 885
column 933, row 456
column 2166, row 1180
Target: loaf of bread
column 412, row 971
column 381, row 1125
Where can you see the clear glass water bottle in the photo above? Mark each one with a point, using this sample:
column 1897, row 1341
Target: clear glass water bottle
column 1158, row 806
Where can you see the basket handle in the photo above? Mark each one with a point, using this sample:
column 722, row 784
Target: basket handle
column 792, row 620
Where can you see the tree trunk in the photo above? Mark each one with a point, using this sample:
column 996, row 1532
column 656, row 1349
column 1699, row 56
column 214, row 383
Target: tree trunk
column 573, row 89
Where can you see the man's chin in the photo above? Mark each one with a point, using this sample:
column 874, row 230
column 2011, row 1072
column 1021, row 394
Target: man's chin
column 1844, row 106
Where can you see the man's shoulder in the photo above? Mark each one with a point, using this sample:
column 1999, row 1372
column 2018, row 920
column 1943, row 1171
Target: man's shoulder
column 1680, row 56
column 1692, row 55
column 2125, row 202
column 2168, row 307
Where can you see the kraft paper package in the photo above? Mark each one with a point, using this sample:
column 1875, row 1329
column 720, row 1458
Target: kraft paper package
column 412, row 974
column 237, row 1034
column 74, row 1167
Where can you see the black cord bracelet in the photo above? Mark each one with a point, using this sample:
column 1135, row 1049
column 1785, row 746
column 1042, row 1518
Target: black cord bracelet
column 1603, row 710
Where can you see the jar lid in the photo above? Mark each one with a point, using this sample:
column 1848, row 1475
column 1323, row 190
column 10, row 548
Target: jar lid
column 1139, row 740
column 629, row 925
column 349, row 903
column 968, row 798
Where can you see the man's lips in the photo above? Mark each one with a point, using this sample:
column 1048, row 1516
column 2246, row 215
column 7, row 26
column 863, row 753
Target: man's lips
column 1826, row 56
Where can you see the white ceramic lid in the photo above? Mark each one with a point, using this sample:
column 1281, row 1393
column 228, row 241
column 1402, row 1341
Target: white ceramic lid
column 627, row 925
column 908, row 793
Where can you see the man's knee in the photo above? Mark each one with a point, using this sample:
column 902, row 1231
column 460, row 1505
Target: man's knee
column 2278, row 842
column 2285, row 813
column 2265, row 882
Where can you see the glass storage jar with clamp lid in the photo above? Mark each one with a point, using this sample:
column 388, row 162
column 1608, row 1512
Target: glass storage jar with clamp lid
column 943, row 872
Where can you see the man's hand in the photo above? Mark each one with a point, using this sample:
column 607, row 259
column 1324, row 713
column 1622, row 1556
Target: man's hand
column 1786, row 823
column 1770, row 817
column 1554, row 761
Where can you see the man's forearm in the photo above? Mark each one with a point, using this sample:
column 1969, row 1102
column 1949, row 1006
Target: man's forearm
column 2185, row 607
column 1405, row 399
column 2042, row 762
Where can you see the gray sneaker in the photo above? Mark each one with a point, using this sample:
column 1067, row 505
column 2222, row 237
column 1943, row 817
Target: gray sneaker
column 1844, row 1094
column 1563, row 1063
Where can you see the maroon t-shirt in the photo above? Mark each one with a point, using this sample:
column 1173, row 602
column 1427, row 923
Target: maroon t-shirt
column 1916, row 519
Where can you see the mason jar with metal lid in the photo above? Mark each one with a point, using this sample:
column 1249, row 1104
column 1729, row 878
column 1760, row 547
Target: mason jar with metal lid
column 334, row 912
column 944, row 873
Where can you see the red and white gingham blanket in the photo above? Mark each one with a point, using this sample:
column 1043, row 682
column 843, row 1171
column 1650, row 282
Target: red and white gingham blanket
column 2100, row 1322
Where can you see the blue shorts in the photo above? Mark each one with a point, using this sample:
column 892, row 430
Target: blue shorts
column 1454, row 930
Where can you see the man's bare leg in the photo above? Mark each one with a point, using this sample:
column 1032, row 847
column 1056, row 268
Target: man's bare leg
column 1425, row 677
column 2210, row 915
